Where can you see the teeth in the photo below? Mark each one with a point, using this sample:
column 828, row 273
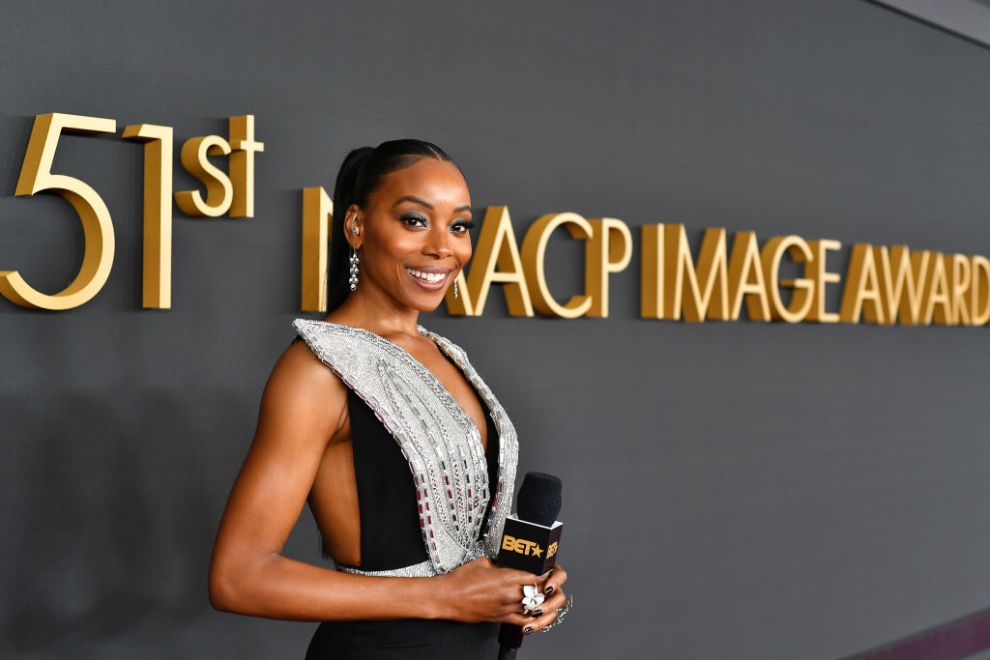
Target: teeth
column 429, row 277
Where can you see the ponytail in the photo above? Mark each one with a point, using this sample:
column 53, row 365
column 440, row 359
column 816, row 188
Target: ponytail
column 343, row 197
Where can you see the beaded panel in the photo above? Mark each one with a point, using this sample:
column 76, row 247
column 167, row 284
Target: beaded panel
column 438, row 438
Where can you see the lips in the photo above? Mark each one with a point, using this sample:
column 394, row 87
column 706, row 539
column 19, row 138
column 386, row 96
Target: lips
column 429, row 278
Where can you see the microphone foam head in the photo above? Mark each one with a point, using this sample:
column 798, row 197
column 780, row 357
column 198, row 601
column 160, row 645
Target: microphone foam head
column 539, row 498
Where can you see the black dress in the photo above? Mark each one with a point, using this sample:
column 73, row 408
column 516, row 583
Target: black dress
column 391, row 538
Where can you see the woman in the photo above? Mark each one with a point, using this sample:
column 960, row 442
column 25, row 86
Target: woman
column 391, row 445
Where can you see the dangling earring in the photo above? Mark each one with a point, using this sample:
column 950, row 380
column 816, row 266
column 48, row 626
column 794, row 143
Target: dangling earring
column 354, row 269
column 455, row 288
column 354, row 264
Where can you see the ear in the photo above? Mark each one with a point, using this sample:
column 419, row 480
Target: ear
column 354, row 226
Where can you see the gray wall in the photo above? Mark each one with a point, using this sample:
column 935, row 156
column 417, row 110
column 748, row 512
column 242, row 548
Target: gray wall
column 739, row 490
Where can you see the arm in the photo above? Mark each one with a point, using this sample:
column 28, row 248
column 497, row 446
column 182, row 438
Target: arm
column 301, row 409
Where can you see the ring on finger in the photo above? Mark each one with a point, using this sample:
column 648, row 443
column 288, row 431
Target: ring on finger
column 532, row 598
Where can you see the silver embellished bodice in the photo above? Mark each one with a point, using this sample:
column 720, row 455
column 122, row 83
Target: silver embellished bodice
column 438, row 438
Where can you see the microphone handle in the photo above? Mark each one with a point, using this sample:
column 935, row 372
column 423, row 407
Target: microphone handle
column 510, row 638
column 505, row 653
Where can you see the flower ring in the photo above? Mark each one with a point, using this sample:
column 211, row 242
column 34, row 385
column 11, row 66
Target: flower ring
column 532, row 598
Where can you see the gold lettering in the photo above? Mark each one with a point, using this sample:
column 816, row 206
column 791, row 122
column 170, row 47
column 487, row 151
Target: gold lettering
column 802, row 297
column 862, row 290
column 979, row 292
column 961, row 277
column 937, row 294
column 317, row 217
column 682, row 275
column 608, row 251
column 746, row 279
column 651, row 276
column 157, row 275
column 219, row 190
column 98, row 236
column 902, row 279
column 815, row 270
column 496, row 259
column 243, row 148
column 534, row 247
column 522, row 546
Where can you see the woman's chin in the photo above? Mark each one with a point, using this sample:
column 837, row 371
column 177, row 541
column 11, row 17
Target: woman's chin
column 424, row 301
column 427, row 303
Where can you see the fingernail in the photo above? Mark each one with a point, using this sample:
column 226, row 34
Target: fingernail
column 527, row 630
column 548, row 590
column 536, row 613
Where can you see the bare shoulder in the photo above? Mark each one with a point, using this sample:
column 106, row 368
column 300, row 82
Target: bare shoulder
column 298, row 364
column 303, row 391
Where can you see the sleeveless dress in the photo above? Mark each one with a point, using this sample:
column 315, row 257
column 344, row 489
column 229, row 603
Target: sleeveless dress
column 418, row 465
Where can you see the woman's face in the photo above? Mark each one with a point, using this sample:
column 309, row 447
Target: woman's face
column 414, row 233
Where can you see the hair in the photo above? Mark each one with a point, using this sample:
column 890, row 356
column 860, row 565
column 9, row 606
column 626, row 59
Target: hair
column 360, row 175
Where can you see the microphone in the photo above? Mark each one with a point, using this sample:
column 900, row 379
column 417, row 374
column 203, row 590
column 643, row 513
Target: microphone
column 530, row 540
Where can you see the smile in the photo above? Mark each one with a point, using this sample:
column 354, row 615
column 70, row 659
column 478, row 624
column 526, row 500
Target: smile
column 428, row 280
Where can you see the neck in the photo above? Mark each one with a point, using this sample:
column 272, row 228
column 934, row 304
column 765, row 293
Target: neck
column 378, row 313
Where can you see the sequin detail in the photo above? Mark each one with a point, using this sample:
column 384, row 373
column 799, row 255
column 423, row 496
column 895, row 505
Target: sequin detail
column 422, row 569
column 437, row 437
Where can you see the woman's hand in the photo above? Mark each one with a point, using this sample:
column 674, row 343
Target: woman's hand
column 479, row 591
column 546, row 614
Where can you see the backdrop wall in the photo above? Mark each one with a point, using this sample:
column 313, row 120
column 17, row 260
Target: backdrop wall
column 744, row 490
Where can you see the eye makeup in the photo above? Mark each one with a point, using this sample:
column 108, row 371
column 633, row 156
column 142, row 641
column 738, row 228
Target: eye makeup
column 411, row 220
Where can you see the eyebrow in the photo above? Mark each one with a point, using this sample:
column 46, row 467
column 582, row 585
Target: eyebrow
column 413, row 198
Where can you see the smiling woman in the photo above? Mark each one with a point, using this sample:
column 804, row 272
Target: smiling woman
column 415, row 226
column 405, row 456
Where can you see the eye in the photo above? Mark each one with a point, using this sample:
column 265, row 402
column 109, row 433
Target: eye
column 462, row 226
column 412, row 218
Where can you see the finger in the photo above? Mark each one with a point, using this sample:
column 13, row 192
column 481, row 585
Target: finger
column 517, row 619
column 541, row 622
column 550, row 616
column 553, row 583
column 542, row 579
column 514, row 596
column 549, row 605
column 517, row 615
column 557, row 568
column 547, row 586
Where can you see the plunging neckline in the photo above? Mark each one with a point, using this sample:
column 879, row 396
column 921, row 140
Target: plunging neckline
column 432, row 429
column 428, row 373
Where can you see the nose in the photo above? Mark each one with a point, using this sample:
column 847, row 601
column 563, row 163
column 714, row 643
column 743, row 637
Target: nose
column 437, row 244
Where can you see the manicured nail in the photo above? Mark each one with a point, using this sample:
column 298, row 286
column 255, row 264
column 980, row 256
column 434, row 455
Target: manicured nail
column 536, row 613
column 548, row 590
column 527, row 630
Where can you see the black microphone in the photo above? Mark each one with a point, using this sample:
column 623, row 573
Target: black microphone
column 530, row 540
